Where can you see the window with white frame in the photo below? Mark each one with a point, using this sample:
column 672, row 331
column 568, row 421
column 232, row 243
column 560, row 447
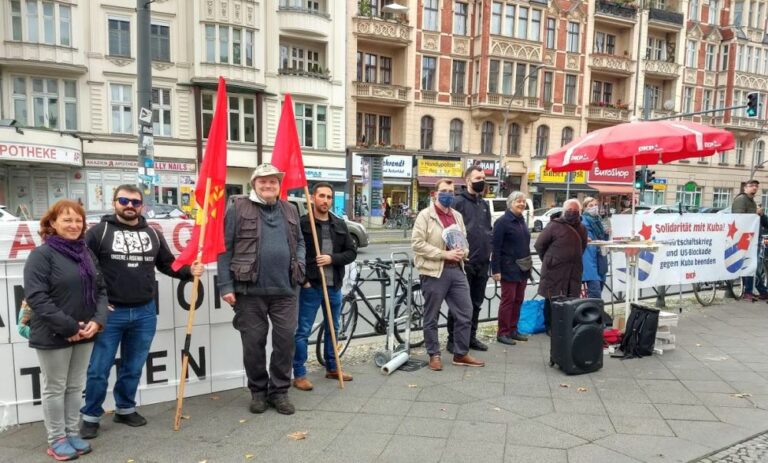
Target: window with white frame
column 119, row 37
column 513, row 76
column 693, row 10
column 50, row 101
column 385, row 130
column 493, row 76
column 374, row 68
column 570, row 89
column 542, row 141
column 547, row 95
column 656, row 49
column 121, row 104
column 688, row 198
column 374, row 129
column 458, row 77
column 687, row 99
column 486, row 140
column 602, row 92
column 723, row 157
column 428, row 70
column 739, row 152
column 231, row 45
column 764, row 199
column 740, row 57
column 430, row 17
column 519, row 21
column 522, row 23
column 550, row 33
column 722, row 197
column 509, row 20
column 456, row 135
column 535, row 25
column 496, row 17
column 41, row 22
column 311, row 122
column 567, row 136
column 427, row 127
column 707, row 102
column 300, row 59
column 759, row 153
column 724, row 49
column 605, row 43
column 572, row 45
column 690, row 54
column 460, row 13
column 242, row 116
column 160, row 42
column 714, row 12
column 765, row 61
column 748, row 59
column 655, row 94
column 161, row 112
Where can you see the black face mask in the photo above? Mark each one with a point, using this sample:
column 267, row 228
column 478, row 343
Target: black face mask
column 478, row 186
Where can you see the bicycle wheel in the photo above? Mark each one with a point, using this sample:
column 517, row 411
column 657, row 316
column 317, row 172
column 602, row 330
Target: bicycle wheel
column 345, row 330
column 417, row 316
column 737, row 288
column 705, row 292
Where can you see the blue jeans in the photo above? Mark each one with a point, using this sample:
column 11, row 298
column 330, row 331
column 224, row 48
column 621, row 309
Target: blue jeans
column 132, row 328
column 749, row 282
column 310, row 299
column 594, row 289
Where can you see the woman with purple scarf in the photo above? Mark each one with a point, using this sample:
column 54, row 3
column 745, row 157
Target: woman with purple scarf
column 65, row 290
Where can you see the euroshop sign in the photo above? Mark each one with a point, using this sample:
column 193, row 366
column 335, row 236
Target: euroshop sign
column 616, row 175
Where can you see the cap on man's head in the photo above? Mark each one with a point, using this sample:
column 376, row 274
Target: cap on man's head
column 753, row 182
column 267, row 170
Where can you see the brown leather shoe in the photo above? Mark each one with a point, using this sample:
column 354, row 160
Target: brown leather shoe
column 335, row 375
column 467, row 360
column 302, row 384
column 435, row 362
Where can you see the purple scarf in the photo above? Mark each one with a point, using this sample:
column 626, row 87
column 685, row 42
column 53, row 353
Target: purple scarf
column 76, row 250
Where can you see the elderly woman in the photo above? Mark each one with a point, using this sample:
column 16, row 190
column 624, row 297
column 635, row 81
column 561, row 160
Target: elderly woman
column 595, row 264
column 560, row 247
column 64, row 288
column 511, row 265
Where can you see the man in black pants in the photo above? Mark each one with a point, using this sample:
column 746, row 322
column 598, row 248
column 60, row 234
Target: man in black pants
column 477, row 219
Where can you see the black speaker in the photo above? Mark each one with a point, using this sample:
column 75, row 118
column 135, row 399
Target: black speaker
column 576, row 345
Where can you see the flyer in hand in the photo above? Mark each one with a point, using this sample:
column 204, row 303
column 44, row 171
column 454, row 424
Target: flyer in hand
column 454, row 238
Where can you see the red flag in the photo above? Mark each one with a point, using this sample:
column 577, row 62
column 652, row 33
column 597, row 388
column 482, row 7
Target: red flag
column 214, row 167
column 287, row 153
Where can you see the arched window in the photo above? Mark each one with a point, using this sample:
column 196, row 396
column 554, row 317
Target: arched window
column 427, row 126
column 567, row 136
column 759, row 152
column 455, row 142
column 513, row 139
column 542, row 141
column 486, row 142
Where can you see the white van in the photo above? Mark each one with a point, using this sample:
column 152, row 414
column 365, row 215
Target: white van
column 499, row 206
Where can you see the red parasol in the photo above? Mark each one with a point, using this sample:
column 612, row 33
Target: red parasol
column 640, row 143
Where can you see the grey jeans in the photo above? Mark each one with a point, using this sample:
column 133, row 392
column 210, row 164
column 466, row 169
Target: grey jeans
column 451, row 287
column 63, row 372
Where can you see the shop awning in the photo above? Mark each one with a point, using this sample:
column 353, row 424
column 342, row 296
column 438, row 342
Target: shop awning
column 608, row 189
column 575, row 187
column 432, row 181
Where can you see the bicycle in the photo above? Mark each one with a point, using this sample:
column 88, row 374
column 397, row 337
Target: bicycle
column 705, row 292
column 379, row 315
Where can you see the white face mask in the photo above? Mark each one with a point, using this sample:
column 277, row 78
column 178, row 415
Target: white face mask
column 592, row 210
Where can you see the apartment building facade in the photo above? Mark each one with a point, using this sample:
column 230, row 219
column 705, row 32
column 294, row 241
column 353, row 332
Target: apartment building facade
column 69, row 104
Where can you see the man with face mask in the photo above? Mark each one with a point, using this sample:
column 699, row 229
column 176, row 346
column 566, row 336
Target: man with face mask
column 560, row 247
column 477, row 218
column 441, row 267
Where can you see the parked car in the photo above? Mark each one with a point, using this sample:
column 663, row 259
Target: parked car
column 706, row 210
column 499, row 206
column 357, row 230
column 541, row 217
column 658, row 209
column 168, row 211
column 6, row 216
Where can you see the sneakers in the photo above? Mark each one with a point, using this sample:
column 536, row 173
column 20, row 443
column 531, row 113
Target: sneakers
column 435, row 362
column 335, row 375
column 518, row 337
column 81, row 447
column 506, row 340
column 476, row 344
column 62, row 450
column 303, row 384
column 467, row 360
column 131, row 419
column 281, row 403
column 258, row 404
column 89, row 430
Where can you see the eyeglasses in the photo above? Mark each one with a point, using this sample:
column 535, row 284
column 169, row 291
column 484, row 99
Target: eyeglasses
column 133, row 202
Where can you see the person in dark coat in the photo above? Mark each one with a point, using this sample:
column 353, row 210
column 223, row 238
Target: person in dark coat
column 511, row 265
column 560, row 247
column 594, row 263
column 66, row 291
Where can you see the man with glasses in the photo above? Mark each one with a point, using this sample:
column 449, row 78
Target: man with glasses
column 128, row 250
column 744, row 203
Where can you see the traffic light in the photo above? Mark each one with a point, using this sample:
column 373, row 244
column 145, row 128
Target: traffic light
column 649, row 177
column 753, row 103
column 639, row 180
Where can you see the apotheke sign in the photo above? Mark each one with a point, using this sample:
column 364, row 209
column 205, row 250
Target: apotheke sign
column 131, row 164
column 51, row 154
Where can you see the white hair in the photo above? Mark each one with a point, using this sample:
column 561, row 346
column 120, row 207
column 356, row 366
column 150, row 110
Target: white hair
column 514, row 196
column 572, row 201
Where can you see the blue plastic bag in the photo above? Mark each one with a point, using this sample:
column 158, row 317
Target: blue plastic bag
column 531, row 317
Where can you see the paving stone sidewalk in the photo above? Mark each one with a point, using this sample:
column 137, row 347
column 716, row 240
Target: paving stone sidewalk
column 708, row 394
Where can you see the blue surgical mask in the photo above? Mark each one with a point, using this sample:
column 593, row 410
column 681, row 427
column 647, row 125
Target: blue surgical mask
column 445, row 198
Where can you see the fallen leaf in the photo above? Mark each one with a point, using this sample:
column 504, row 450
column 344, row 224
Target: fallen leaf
column 298, row 435
column 581, row 389
column 242, row 421
column 413, row 386
column 249, row 456
column 742, row 395
column 564, row 385
column 698, row 345
column 129, row 461
column 203, row 461
column 443, row 409
column 497, row 409
column 184, row 417
column 215, row 397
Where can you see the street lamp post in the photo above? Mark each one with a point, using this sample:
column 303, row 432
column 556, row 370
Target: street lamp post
column 503, row 131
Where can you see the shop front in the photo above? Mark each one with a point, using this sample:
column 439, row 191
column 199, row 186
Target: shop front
column 338, row 180
column 33, row 176
column 491, row 170
column 396, row 182
column 614, row 187
column 551, row 189
column 430, row 171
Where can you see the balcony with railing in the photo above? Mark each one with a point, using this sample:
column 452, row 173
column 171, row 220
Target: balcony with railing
column 458, row 99
column 608, row 112
column 667, row 15
column 309, row 21
column 377, row 29
column 298, row 81
column 428, row 96
column 381, row 93
column 664, row 69
column 611, row 63
column 616, row 10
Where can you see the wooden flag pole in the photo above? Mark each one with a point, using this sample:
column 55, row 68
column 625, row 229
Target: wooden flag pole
column 328, row 313
column 191, row 316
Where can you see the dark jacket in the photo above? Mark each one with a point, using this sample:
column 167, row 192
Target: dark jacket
column 743, row 204
column 344, row 251
column 128, row 256
column 477, row 219
column 560, row 247
column 511, row 241
column 53, row 289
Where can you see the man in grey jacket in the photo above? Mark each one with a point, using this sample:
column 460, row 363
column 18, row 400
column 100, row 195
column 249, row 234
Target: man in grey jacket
column 258, row 275
column 744, row 203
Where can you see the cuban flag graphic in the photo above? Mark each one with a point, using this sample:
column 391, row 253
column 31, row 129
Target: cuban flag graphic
column 736, row 247
column 644, row 258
